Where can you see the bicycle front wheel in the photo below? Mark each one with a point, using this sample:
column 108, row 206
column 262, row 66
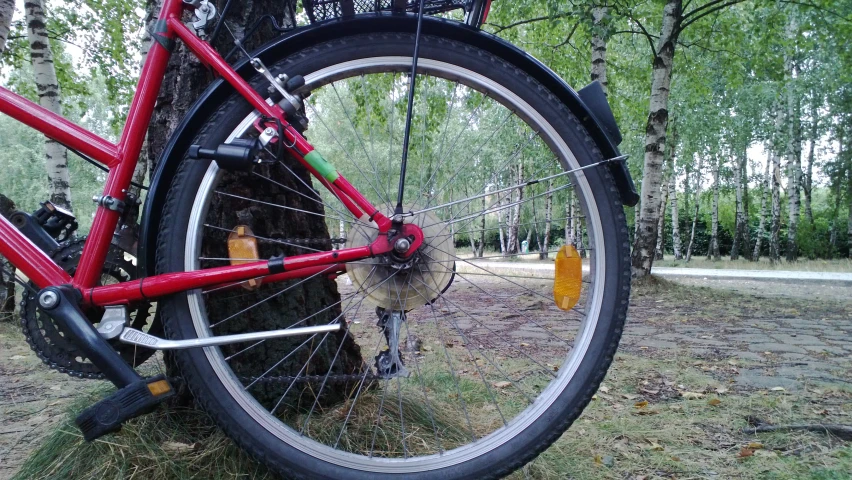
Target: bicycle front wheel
column 455, row 364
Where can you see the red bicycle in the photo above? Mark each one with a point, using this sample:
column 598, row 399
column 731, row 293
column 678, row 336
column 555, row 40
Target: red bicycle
column 420, row 339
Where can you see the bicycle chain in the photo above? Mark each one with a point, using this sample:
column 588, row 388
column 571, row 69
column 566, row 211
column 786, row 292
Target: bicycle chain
column 52, row 349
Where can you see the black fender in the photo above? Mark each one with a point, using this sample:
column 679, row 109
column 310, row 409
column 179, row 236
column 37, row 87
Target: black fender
column 590, row 105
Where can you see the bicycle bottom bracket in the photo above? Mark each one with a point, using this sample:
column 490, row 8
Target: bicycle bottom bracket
column 395, row 284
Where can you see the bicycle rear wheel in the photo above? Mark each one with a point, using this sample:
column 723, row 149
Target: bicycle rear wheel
column 489, row 371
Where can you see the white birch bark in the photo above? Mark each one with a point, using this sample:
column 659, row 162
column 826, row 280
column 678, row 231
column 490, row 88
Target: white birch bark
column 599, row 39
column 761, row 225
column 807, row 183
column 514, row 245
column 713, row 247
column 774, row 247
column 655, row 139
column 47, row 85
column 676, row 242
column 7, row 10
column 697, row 201
column 794, row 144
column 741, row 227
column 548, row 219
column 661, row 222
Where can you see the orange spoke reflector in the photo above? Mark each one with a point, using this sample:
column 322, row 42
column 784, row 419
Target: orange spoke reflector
column 568, row 277
column 242, row 248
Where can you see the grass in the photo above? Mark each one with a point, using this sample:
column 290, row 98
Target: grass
column 670, row 437
column 691, row 427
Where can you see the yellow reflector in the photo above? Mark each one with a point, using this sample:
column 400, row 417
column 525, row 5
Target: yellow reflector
column 242, row 248
column 159, row 387
column 568, row 277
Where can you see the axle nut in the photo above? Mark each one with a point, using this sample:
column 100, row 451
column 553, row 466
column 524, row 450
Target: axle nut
column 402, row 245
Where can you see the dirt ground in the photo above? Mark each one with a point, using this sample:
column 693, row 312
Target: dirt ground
column 696, row 359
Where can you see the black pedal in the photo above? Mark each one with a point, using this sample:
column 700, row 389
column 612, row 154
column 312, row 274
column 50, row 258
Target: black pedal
column 134, row 400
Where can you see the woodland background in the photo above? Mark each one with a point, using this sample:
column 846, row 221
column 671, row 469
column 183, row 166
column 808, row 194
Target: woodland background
column 737, row 115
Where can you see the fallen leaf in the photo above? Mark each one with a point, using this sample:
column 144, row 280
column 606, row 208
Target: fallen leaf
column 502, row 384
column 755, row 445
column 56, row 387
column 715, row 402
column 604, row 388
column 656, row 447
column 449, row 345
column 642, row 404
column 629, row 396
column 676, row 459
column 594, row 397
column 778, row 389
column 746, row 452
column 426, row 348
column 598, row 460
column 721, row 390
column 650, row 392
column 17, row 357
column 524, row 344
column 691, row 395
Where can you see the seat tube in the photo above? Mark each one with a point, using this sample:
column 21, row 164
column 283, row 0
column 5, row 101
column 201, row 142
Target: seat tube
column 129, row 147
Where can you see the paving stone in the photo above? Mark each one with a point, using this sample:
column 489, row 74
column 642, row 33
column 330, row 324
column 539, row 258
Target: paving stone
column 758, row 379
column 797, row 357
column 756, row 357
column 825, row 348
column 797, row 339
column 641, row 330
column 775, row 348
column 661, row 344
column 748, row 337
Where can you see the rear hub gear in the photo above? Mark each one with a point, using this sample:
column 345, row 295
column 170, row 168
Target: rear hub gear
column 417, row 279
column 49, row 342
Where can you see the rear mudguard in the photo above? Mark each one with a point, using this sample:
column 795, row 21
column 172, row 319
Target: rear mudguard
column 590, row 105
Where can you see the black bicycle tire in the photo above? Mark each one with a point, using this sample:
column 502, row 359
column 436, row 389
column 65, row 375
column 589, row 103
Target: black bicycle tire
column 545, row 430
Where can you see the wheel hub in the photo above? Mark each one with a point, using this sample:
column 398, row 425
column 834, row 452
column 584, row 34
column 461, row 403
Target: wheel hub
column 395, row 283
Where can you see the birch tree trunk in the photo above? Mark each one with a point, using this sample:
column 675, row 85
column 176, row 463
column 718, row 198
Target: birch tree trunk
column 501, row 214
column 697, row 201
column 548, row 219
column 185, row 79
column 713, row 247
column 514, row 245
column 579, row 233
column 807, row 184
column 774, row 247
column 47, row 85
column 849, row 201
column 741, row 228
column 479, row 252
column 600, row 35
column 761, row 225
column 676, row 245
column 661, row 222
column 570, row 221
column 7, row 10
column 794, row 145
column 655, row 139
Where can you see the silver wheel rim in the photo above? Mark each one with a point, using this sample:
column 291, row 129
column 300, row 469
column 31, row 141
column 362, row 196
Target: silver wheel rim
column 496, row 438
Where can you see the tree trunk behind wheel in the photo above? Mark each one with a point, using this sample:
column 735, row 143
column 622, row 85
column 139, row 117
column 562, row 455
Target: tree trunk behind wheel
column 185, row 79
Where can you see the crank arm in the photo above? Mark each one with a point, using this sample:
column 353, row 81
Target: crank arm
column 142, row 339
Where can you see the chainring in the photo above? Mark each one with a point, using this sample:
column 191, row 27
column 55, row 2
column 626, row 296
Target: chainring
column 49, row 342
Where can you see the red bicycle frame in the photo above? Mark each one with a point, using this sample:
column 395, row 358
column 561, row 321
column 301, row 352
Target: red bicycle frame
column 121, row 159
